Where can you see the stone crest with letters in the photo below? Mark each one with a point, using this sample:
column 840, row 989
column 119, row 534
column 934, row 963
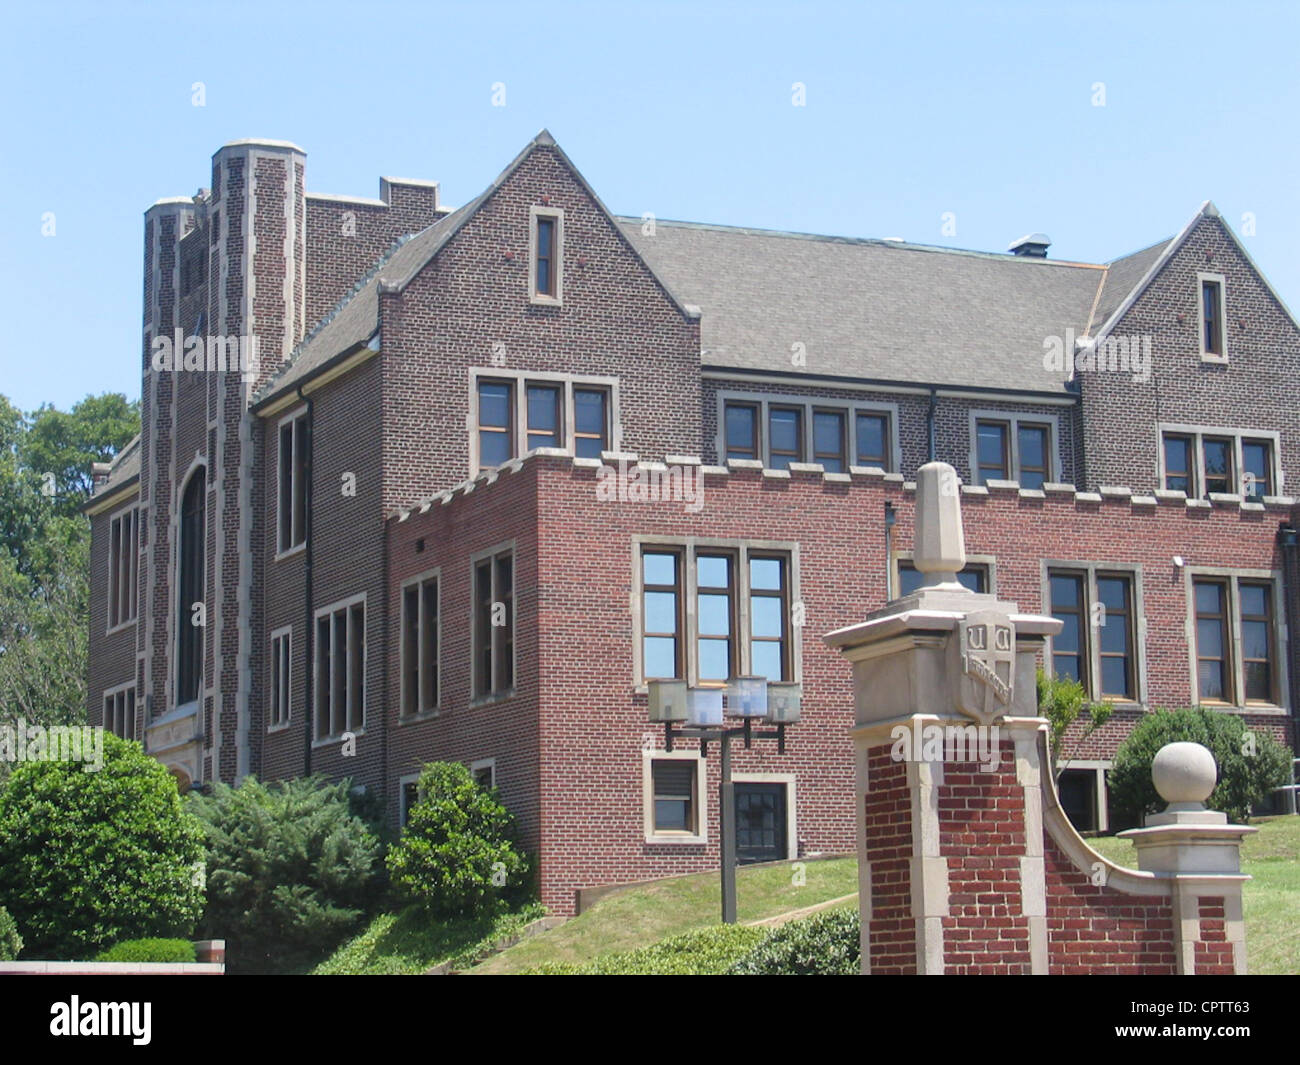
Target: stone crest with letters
column 986, row 641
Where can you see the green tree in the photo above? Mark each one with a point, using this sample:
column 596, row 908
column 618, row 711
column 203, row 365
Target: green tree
column 1064, row 701
column 90, row 858
column 457, row 854
column 1251, row 764
column 290, row 870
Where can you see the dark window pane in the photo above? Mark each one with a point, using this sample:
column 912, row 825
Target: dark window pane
column 828, row 440
column 494, row 405
column 1067, row 640
column 785, row 433
column 741, row 432
column 543, row 416
column 1257, row 466
column 1254, row 639
column 1254, row 599
column 1114, row 677
column 974, row 578
column 670, row 815
column 872, row 433
column 1032, row 442
column 1210, row 676
column 1066, row 666
column 1064, row 592
column 1218, row 465
column 1209, row 638
column 991, row 441
column 909, row 578
column 1259, row 681
column 1178, row 464
column 1113, row 593
column 1114, row 635
column 494, row 449
column 590, row 422
column 1209, row 598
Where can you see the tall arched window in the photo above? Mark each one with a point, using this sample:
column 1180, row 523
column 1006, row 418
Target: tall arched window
column 192, row 556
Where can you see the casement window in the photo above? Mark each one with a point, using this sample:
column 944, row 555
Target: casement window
column 739, row 620
column 785, row 436
column 779, row 430
column 123, row 567
column 191, row 562
column 546, row 261
column 872, row 439
column 1202, row 461
column 1097, row 644
column 975, row 577
column 742, row 431
column 484, row 772
column 1011, row 448
column 281, row 675
column 1236, row 653
column 420, row 643
column 1213, row 336
column 494, row 624
column 340, row 669
column 291, row 509
column 547, row 411
column 119, row 711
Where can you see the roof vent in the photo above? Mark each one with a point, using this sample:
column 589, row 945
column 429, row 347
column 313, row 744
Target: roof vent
column 1031, row 246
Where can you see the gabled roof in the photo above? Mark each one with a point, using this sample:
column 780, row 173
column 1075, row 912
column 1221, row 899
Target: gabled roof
column 354, row 323
column 878, row 310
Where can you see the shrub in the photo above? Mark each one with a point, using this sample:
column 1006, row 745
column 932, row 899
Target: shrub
column 290, row 869
column 825, row 944
column 457, row 855
column 10, row 941
column 1250, row 764
column 170, row 950
column 1063, row 701
column 703, row 952
column 91, row 858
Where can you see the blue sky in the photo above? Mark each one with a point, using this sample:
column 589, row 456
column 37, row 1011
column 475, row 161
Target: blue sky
column 913, row 110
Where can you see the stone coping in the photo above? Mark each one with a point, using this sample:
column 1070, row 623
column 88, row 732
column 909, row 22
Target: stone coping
column 110, row 968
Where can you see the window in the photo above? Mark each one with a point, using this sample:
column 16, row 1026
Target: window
column 554, row 411
column 1200, row 461
column 674, row 795
column 281, row 662
column 828, row 440
column 292, row 508
column 974, row 577
column 1010, row 448
column 340, row 669
column 741, row 621
column 420, row 646
column 484, row 772
column 1236, row 640
column 408, row 796
column 1097, row 643
column 123, row 567
column 546, row 264
column 785, row 436
column 191, row 558
column 741, row 430
column 119, row 711
column 494, row 625
column 779, row 430
column 496, row 419
column 1212, row 333
column 873, row 440
column 590, row 422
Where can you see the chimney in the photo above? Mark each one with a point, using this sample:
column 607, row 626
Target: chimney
column 1031, row 246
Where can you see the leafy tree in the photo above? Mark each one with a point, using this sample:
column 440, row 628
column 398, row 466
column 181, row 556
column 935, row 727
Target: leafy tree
column 11, row 943
column 89, row 858
column 457, row 854
column 1251, row 764
column 66, row 443
column 290, row 868
column 1063, row 701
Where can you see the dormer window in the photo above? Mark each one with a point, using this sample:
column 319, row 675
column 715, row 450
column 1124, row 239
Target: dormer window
column 546, row 261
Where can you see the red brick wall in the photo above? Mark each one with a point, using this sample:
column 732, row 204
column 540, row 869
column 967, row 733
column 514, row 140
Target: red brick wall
column 888, row 809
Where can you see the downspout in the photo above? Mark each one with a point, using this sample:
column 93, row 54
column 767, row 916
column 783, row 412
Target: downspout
column 929, row 423
column 309, row 687
column 1289, row 542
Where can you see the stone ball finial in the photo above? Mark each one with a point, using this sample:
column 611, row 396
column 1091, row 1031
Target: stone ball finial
column 939, row 549
column 1184, row 774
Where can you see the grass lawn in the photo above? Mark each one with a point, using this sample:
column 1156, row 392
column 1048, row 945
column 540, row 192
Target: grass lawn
column 1271, row 900
column 641, row 916
column 408, row 943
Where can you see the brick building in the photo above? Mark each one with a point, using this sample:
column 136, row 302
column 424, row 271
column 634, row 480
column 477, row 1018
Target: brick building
column 416, row 526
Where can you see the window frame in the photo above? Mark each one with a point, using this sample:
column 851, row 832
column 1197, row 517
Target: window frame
column 1232, row 579
column 479, row 765
column 842, row 455
column 126, row 692
column 688, row 549
column 1239, row 437
column 1218, row 280
column 1091, row 572
column 299, row 466
column 494, row 692
column 119, row 559
column 344, row 606
column 519, row 382
column 700, row 803
column 421, row 711
column 988, row 563
column 1013, row 420
column 554, row 298
column 283, row 693
column 763, row 402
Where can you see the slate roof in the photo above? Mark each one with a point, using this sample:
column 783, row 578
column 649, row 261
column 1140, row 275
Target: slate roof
column 875, row 310
column 123, row 469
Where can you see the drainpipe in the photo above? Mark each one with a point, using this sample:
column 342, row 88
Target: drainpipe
column 929, row 422
column 891, row 516
column 1289, row 541
column 309, row 688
